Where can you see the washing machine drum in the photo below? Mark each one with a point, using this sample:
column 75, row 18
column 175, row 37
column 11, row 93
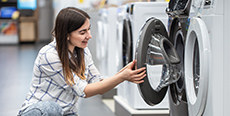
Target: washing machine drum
column 156, row 53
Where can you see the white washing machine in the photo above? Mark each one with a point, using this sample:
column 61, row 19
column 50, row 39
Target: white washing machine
column 111, row 41
column 153, row 40
column 206, row 60
column 121, row 15
column 106, row 38
column 206, row 54
column 139, row 12
column 101, row 43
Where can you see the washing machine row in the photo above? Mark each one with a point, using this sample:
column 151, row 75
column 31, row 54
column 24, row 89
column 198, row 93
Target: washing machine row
column 189, row 60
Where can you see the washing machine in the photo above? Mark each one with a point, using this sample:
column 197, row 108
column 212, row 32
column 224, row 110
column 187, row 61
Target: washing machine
column 206, row 54
column 138, row 13
column 121, row 15
column 101, row 43
column 112, row 40
column 161, row 50
column 106, row 42
column 205, row 61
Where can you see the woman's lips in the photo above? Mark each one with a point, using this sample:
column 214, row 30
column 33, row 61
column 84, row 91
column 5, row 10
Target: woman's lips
column 85, row 42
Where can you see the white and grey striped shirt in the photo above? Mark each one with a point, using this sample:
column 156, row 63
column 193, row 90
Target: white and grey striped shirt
column 48, row 82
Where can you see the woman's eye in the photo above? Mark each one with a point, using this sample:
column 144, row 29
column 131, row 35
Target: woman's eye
column 82, row 33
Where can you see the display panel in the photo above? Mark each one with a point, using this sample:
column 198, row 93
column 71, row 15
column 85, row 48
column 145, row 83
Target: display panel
column 8, row 31
column 8, row 12
column 8, row 28
column 27, row 4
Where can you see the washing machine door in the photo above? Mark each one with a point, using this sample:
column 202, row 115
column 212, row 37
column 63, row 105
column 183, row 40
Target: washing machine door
column 155, row 52
column 197, row 57
column 127, row 42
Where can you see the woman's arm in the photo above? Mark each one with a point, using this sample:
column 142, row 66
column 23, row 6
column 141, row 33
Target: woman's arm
column 107, row 84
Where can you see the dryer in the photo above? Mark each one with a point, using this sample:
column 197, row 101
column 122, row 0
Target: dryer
column 138, row 13
column 153, row 34
column 205, row 59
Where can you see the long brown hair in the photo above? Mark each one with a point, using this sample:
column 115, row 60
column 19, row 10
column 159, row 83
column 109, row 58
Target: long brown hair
column 70, row 19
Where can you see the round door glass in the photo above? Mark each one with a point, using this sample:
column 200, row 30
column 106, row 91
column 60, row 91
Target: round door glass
column 196, row 67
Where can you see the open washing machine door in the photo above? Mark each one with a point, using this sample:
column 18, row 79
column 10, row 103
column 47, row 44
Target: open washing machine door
column 158, row 55
column 127, row 42
column 197, row 58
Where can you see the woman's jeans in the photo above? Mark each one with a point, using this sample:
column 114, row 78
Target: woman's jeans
column 44, row 108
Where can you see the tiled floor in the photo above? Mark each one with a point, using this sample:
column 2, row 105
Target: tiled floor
column 16, row 65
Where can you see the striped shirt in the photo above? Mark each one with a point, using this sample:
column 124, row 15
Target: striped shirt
column 48, row 83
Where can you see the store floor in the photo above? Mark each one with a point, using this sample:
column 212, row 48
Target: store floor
column 16, row 66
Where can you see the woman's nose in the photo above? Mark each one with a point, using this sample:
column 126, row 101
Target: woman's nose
column 89, row 35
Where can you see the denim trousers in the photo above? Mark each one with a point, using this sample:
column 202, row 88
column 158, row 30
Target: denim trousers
column 44, row 108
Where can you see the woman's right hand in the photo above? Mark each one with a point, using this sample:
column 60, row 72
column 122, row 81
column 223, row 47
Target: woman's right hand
column 127, row 73
column 135, row 76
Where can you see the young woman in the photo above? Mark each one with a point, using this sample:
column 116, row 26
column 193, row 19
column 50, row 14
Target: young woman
column 64, row 70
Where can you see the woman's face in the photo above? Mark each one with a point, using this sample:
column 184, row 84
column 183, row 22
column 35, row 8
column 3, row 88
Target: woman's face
column 80, row 37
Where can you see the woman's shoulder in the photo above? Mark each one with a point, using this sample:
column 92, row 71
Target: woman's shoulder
column 87, row 51
column 49, row 50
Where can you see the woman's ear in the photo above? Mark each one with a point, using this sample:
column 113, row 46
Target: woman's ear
column 68, row 36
